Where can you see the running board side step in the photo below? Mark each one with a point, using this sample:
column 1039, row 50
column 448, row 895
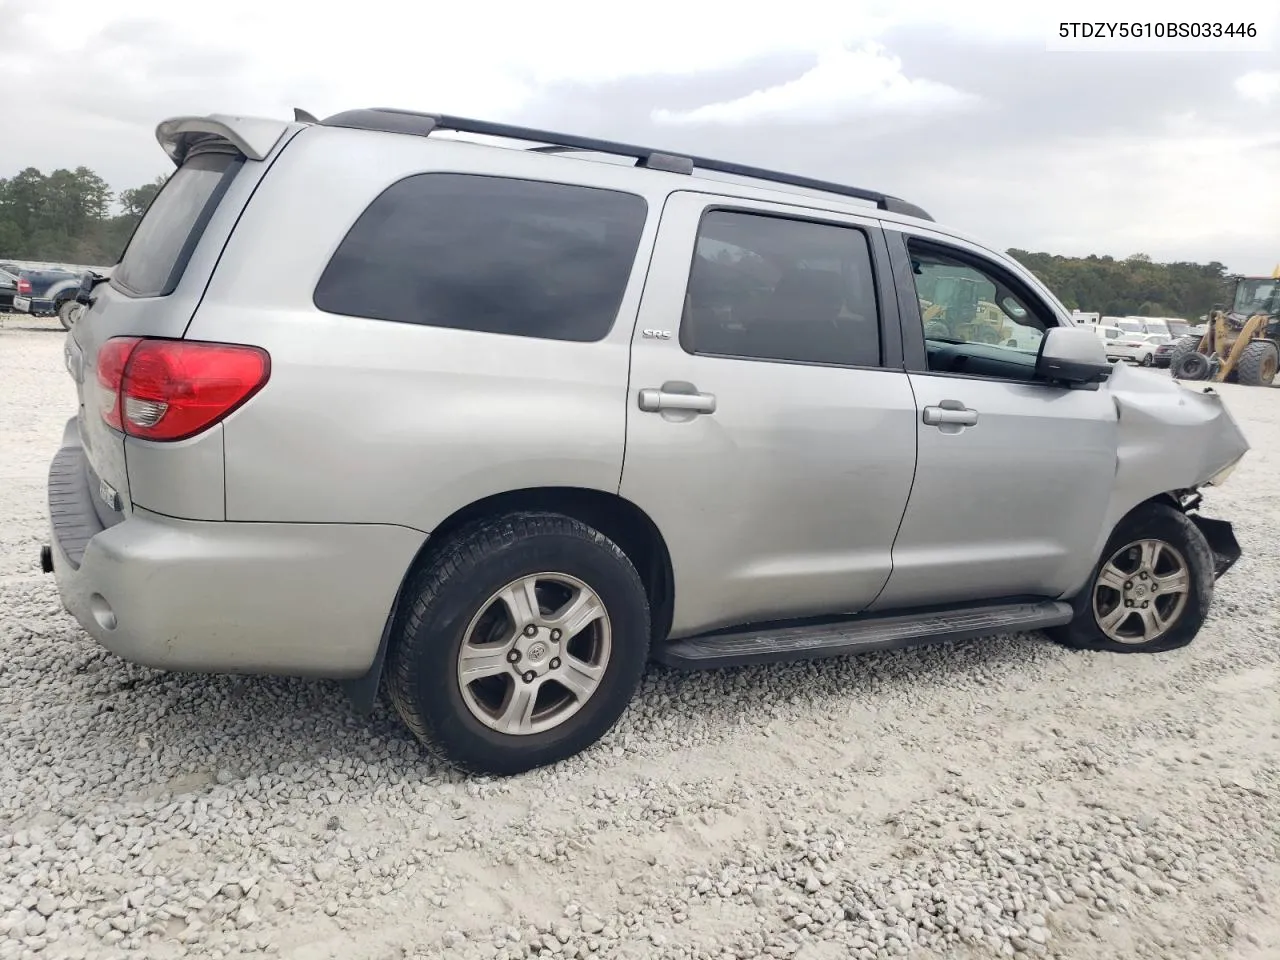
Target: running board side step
column 859, row 635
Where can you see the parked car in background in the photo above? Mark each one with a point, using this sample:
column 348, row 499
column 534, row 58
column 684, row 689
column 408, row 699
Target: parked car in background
column 1163, row 356
column 1108, row 335
column 46, row 292
column 1137, row 348
column 8, row 290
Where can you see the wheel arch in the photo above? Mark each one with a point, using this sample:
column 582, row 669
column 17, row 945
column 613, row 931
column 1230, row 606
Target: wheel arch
column 617, row 518
column 1218, row 532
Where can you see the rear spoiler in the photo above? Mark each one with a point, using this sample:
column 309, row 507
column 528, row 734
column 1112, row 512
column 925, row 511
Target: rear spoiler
column 254, row 137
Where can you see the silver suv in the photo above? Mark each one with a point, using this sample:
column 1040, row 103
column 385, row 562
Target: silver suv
column 499, row 422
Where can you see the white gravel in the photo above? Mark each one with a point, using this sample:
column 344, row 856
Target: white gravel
column 993, row 798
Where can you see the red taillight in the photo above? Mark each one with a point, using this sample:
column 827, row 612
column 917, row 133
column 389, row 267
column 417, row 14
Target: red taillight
column 173, row 389
column 24, row 287
column 111, row 360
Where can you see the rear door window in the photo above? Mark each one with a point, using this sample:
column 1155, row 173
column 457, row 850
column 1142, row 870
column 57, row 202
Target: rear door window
column 765, row 287
column 162, row 244
column 490, row 254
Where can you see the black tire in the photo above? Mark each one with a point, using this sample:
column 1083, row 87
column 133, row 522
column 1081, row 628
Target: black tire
column 1150, row 521
column 1181, row 347
column 1192, row 366
column 1257, row 364
column 1146, row 360
column 455, row 586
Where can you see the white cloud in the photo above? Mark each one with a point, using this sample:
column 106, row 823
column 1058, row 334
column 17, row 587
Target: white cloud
column 124, row 67
column 1261, row 86
column 843, row 83
column 492, row 58
column 1171, row 203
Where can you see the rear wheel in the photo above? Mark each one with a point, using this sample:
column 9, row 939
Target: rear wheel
column 1150, row 591
column 1257, row 364
column 522, row 643
column 68, row 313
column 1181, row 348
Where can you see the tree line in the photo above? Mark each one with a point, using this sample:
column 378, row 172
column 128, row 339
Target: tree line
column 1134, row 286
column 68, row 216
column 72, row 216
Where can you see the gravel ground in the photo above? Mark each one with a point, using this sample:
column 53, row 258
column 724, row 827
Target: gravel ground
column 985, row 799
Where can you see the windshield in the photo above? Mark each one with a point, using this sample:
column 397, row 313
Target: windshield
column 1130, row 326
column 1257, row 296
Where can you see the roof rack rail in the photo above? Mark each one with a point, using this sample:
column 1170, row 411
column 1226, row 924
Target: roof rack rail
column 389, row 120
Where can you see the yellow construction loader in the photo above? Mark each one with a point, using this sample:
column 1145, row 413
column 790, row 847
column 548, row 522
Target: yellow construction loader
column 1242, row 343
column 957, row 311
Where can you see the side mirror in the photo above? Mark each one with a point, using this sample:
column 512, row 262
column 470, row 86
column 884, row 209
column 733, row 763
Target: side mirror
column 1072, row 355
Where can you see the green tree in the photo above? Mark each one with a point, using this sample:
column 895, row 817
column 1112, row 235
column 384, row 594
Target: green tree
column 67, row 216
column 136, row 201
column 1135, row 286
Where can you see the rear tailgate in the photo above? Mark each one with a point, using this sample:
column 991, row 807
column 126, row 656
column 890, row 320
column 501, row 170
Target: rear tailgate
column 158, row 283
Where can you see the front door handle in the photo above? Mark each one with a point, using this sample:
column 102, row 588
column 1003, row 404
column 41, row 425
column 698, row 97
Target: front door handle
column 654, row 400
column 951, row 412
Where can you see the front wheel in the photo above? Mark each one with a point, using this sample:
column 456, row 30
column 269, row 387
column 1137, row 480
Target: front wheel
column 1181, row 348
column 521, row 644
column 1192, row 366
column 1151, row 589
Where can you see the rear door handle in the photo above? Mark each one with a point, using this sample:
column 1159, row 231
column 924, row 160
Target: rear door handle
column 951, row 412
column 654, row 400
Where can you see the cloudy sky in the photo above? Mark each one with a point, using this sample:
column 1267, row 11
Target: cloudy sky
column 1172, row 152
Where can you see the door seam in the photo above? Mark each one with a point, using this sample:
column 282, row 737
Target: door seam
column 910, row 489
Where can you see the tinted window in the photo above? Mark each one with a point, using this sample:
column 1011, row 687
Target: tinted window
column 489, row 254
column 160, row 247
column 775, row 289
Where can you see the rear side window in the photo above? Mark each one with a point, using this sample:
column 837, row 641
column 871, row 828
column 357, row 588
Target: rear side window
column 765, row 287
column 162, row 244
column 489, row 254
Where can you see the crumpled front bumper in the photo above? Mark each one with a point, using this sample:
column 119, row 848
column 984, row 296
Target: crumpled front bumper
column 1222, row 541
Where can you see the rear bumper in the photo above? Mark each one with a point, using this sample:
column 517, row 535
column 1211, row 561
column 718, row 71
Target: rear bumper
column 290, row 599
column 33, row 305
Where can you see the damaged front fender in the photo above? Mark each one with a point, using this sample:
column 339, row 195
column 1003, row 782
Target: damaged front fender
column 1170, row 438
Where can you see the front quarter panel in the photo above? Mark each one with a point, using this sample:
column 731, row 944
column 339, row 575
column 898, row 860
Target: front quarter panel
column 1171, row 437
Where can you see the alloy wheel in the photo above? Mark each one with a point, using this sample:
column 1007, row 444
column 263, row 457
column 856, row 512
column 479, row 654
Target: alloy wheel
column 1141, row 591
column 534, row 654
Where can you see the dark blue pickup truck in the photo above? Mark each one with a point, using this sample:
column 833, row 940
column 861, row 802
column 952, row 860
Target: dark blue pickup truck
column 45, row 292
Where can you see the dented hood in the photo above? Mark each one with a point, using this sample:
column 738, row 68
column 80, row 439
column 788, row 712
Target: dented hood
column 1171, row 436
